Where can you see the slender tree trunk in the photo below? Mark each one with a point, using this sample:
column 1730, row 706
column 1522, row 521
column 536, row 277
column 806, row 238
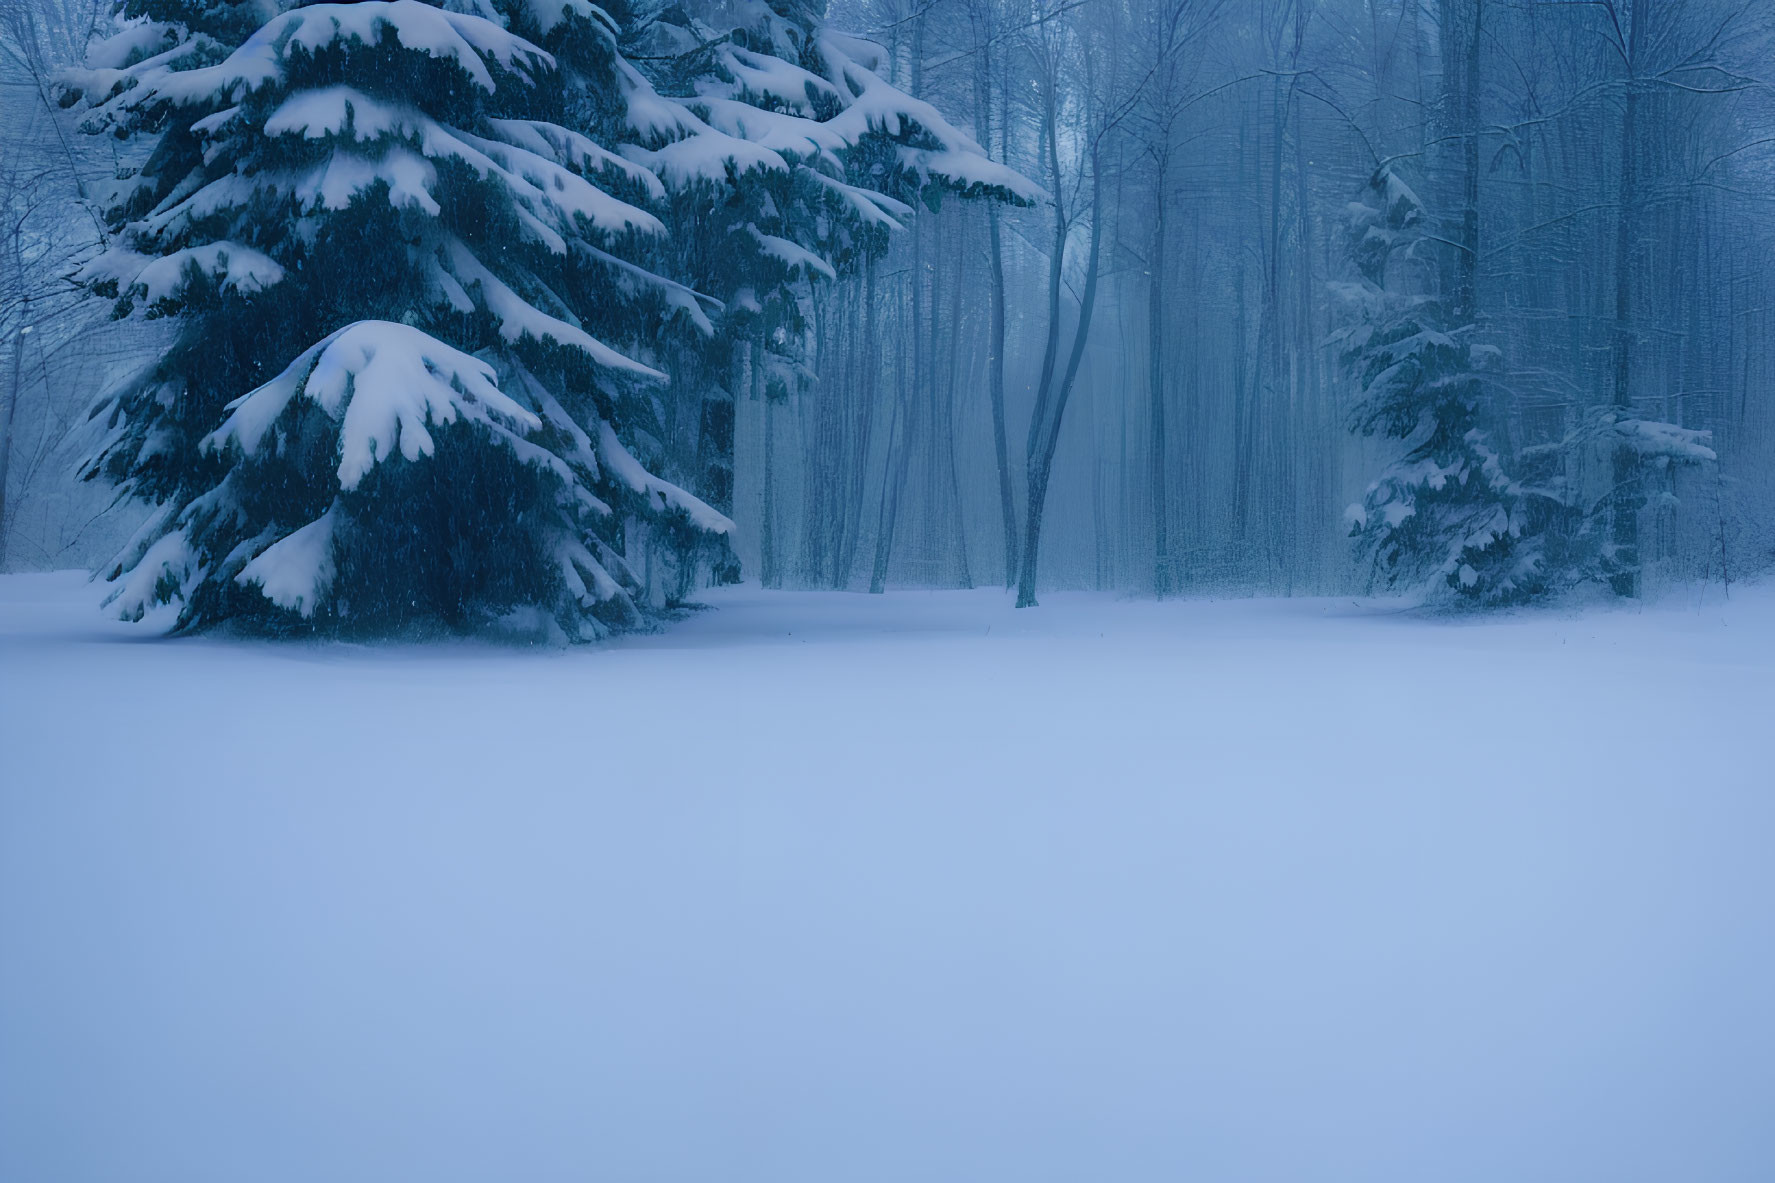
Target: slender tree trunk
column 770, row 573
column 1245, row 381
column 949, row 401
column 1272, row 384
column 1056, row 271
column 899, row 459
column 869, row 367
column 1244, row 414
column 1625, row 499
column 1001, row 451
column 1194, row 413
column 1007, row 499
column 838, row 328
column 820, row 476
column 930, row 387
column 18, row 354
column 1045, row 433
column 1462, row 31
column 1155, row 389
column 1036, row 483
column 1313, row 455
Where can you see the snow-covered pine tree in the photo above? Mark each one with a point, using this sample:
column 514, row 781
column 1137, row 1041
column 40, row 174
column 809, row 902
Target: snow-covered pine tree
column 386, row 401
column 1454, row 514
column 787, row 157
column 1447, row 515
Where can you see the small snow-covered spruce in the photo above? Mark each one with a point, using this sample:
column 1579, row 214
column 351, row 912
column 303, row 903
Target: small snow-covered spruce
column 787, row 160
column 1453, row 513
column 384, row 403
column 1447, row 516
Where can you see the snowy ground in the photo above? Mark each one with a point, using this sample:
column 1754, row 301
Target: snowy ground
column 915, row 889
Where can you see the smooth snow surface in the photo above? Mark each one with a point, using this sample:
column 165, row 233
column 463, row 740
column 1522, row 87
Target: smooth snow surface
column 841, row 889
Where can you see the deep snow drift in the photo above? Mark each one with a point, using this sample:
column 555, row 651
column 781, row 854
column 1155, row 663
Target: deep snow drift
column 840, row 889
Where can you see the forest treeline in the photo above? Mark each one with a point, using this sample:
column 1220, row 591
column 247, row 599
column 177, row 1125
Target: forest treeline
column 1457, row 297
column 1578, row 196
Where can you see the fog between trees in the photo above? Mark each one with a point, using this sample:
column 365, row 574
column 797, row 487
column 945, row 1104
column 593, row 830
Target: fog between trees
column 1204, row 158
column 1158, row 352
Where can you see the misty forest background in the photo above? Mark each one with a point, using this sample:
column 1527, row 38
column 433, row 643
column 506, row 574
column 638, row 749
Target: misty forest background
column 1596, row 174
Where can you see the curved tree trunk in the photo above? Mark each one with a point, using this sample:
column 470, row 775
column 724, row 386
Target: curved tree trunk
column 1044, row 438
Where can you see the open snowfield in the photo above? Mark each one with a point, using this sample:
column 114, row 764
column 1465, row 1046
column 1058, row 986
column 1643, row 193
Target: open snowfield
column 912, row 889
